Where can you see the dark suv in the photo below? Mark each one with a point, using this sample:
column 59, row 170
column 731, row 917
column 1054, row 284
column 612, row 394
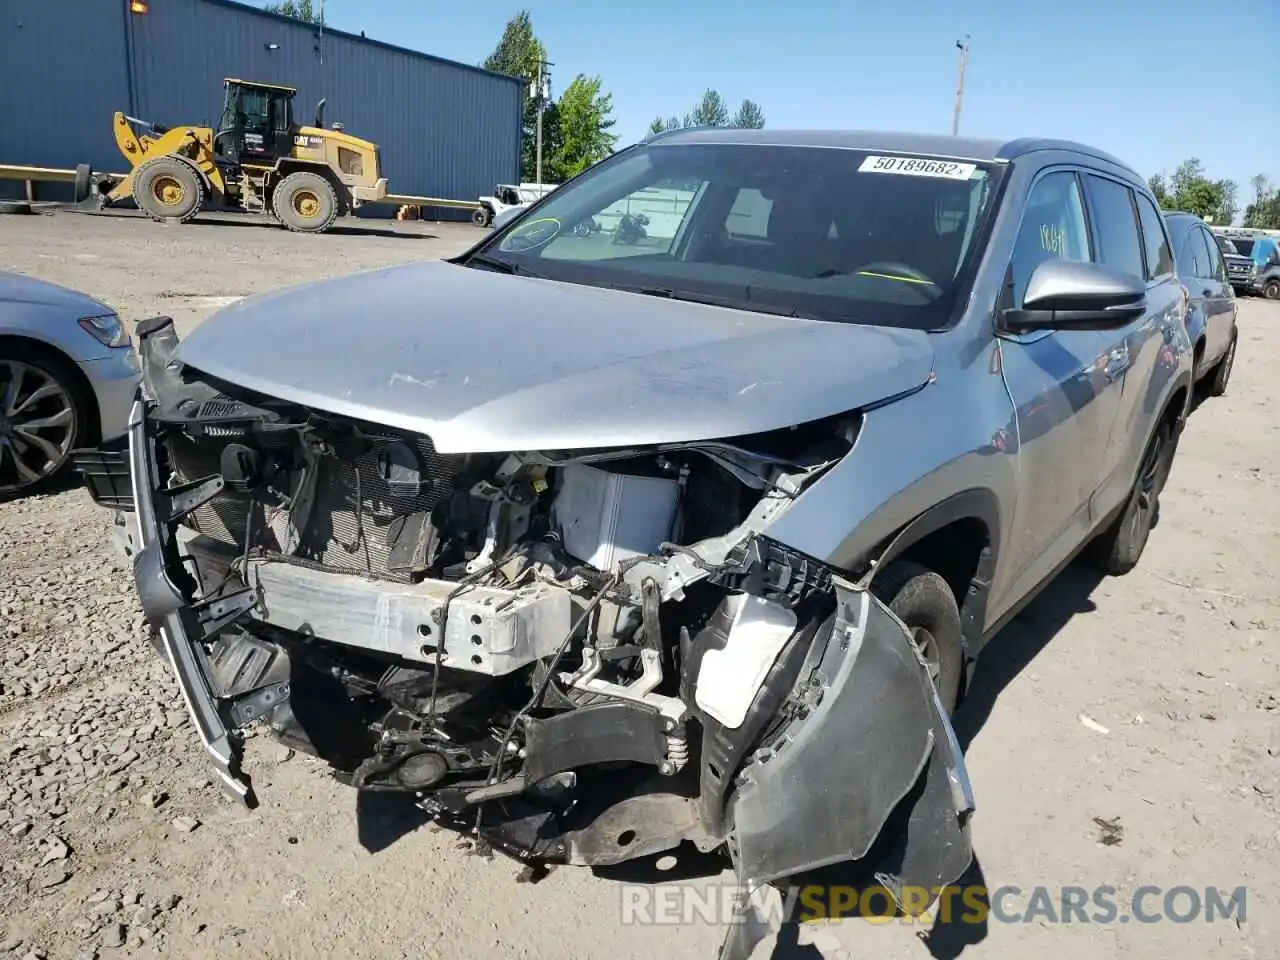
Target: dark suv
column 1253, row 263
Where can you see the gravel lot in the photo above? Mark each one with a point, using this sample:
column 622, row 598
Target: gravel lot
column 114, row 842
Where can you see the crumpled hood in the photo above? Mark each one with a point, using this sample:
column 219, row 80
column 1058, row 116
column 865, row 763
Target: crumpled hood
column 484, row 362
column 16, row 288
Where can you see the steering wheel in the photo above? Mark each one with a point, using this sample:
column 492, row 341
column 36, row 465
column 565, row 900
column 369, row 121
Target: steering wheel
column 530, row 235
column 892, row 269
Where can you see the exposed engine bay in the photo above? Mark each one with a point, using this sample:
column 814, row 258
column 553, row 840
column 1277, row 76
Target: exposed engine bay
column 579, row 657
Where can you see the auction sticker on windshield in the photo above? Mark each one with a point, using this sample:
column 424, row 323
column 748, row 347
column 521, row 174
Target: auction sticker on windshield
column 918, row 167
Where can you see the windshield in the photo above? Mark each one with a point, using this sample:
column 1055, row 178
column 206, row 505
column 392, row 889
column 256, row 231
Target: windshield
column 831, row 234
column 1243, row 247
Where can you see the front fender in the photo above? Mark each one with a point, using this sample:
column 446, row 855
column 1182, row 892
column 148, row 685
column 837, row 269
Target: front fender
column 871, row 745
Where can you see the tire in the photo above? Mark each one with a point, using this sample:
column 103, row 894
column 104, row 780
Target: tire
column 1119, row 547
column 67, row 404
column 169, row 190
column 1222, row 372
column 17, row 207
column 305, row 203
column 481, row 217
column 1272, row 290
column 923, row 601
column 83, row 183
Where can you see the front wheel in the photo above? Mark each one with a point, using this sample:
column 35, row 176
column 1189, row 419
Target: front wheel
column 1272, row 290
column 42, row 417
column 481, row 217
column 305, row 203
column 923, row 601
column 168, row 189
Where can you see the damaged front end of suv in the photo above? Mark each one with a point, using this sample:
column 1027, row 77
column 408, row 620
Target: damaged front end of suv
column 583, row 656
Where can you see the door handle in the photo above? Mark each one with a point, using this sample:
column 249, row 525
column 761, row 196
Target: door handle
column 1208, row 292
column 1117, row 362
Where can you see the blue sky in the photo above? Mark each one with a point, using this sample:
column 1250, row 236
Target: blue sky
column 1152, row 81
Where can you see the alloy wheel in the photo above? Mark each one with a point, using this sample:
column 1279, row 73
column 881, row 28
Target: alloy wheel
column 1150, row 481
column 37, row 425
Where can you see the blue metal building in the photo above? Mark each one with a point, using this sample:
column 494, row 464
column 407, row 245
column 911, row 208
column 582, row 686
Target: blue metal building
column 445, row 129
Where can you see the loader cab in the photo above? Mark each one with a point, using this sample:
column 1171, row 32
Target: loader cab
column 257, row 122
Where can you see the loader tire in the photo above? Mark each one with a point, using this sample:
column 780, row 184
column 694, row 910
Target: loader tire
column 481, row 216
column 305, row 203
column 169, row 190
column 83, row 183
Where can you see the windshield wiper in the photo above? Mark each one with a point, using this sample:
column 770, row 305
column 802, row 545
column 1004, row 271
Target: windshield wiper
column 734, row 303
column 503, row 266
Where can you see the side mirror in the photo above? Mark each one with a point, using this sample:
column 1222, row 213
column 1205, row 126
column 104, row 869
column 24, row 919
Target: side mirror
column 320, row 113
column 1069, row 295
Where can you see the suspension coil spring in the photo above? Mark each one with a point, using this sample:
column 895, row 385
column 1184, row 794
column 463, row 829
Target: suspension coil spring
column 677, row 753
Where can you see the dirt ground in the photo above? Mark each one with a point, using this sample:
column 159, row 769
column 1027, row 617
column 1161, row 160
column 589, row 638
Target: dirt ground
column 114, row 841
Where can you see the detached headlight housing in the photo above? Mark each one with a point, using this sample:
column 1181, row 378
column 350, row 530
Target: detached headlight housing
column 106, row 329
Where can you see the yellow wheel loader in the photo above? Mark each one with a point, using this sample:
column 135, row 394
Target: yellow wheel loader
column 258, row 160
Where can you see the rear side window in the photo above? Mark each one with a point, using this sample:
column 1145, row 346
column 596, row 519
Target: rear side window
column 1155, row 240
column 1191, row 255
column 1215, row 268
column 1119, row 244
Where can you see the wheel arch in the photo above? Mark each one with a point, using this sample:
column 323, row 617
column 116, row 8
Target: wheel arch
column 959, row 539
column 80, row 383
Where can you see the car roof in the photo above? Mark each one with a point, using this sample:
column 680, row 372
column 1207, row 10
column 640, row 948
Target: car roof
column 1182, row 215
column 927, row 144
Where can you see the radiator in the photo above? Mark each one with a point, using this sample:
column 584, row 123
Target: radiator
column 351, row 516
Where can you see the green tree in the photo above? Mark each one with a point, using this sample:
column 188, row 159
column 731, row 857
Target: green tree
column 585, row 117
column 1264, row 212
column 658, row 125
column 1161, row 191
column 303, row 10
column 1189, row 189
column 520, row 54
column 710, row 111
column 748, row 117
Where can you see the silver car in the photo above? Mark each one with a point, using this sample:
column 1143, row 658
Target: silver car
column 68, row 375
column 600, row 548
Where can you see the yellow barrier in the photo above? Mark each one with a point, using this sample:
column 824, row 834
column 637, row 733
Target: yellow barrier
column 403, row 200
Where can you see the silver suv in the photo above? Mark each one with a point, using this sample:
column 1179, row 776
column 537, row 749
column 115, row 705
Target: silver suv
column 601, row 547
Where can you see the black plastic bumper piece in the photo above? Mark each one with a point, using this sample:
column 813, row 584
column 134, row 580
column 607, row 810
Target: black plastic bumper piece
column 105, row 471
column 597, row 733
column 181, row 620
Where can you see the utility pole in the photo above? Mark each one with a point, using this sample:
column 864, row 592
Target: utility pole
column 544, row 90
column 963, row 45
